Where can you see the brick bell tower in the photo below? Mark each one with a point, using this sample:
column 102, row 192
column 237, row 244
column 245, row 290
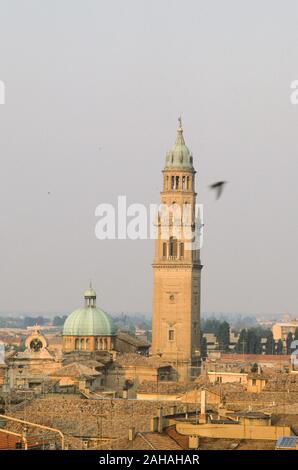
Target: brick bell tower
column 177, row 268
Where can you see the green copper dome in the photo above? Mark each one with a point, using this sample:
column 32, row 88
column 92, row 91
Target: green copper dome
column 89, row 321
column 179, row 157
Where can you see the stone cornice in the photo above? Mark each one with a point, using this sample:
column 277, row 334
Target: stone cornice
column 177, row 265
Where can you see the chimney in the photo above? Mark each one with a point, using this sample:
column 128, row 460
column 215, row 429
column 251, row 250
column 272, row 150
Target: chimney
column 131, row 434
column 203, row 402
column 193, row 442
column 160, row 419
column 202, row 417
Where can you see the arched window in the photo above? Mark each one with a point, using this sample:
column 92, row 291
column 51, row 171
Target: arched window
column 177, row 182
column 77, row 344
column 187, row 183
column 181, row 250
column 183, row 183
column 82, row 344
column 173, row 182
column 173, row 247
column 88, row 344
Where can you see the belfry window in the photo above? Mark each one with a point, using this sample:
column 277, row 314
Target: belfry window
column 173, row 182
column 177, row 182
column 181, row 250
column 164, row 250
column 183, row 183
column 187, row 183
column 173, row 247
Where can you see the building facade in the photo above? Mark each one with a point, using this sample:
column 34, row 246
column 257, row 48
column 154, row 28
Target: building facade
column 280, row 330
column 177, row 266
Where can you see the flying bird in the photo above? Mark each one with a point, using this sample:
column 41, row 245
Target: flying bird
column 218, row 187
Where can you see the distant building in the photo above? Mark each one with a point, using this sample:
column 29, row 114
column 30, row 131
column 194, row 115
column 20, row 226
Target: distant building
column 27, row 369
column 227, row 377
column 4, row 382
column 243, row 362
column 211, row 341
column 280, row 330
column 233, row 339
column 256, row 382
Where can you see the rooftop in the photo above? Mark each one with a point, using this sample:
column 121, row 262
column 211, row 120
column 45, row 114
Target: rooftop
column 122, row 335
column 75, row 370
column 131, row 359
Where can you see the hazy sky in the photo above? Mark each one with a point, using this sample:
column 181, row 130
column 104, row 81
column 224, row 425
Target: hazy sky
column 93, row 92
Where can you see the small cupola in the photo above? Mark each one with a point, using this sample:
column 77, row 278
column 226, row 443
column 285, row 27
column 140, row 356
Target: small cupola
column 90, row 297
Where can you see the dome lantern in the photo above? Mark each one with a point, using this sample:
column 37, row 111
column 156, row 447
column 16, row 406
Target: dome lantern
column 90, row 297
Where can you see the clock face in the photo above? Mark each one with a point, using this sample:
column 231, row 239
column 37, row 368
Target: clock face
column 35, row 344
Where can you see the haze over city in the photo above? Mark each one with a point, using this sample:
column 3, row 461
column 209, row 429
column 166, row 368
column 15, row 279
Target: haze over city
column 92, row 100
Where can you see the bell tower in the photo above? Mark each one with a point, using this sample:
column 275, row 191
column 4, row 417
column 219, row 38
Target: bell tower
column 177, row 266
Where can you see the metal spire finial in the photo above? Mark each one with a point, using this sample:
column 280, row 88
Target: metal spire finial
column 180, row 139
column 180, row 122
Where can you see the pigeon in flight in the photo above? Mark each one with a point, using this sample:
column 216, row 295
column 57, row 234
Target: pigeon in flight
column 218, row 187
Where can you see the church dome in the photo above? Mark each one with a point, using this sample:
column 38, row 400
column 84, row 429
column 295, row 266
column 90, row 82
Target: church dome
column 90, row 320
column 179, row 157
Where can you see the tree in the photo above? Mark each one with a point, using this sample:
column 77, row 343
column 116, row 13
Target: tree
column 289, row 341
column 253, row 341
column 270, row 344
column 254, row 367
column 59, row 321
column 203, row 347
column 241, row 346
column 223, row 336
column 279, row 347
column 211, row 326
column 249, row 341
